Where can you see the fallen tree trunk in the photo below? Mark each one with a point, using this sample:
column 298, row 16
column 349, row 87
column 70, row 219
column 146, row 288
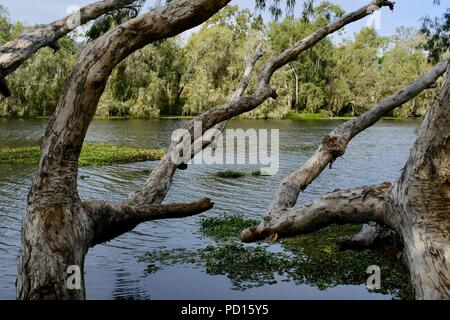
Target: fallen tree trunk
column 417, row 206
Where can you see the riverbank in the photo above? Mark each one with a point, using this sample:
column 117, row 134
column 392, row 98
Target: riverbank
column 92, row 154
column 294, row 116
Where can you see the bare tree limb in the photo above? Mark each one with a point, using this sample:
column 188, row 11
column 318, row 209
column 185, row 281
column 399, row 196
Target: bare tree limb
column 359, row 205
column 335, row 143
column 416, row 206
column 111, row 220
column 157, row 184
column 333, row 146
column 292, row 53
column 78, row 102
column 17, row 51
column 372, row 236
column 160, row 180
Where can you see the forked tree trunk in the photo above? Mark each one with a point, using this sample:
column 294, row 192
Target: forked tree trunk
column 58, row 228
column 419, row 203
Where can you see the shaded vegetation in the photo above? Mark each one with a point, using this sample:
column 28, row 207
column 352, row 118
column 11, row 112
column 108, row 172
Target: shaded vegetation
column 92, row 154
column 225, row 227
column 230, row 174
column 312, row 259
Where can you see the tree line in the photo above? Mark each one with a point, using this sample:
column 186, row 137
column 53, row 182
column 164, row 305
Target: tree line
column 178, row 76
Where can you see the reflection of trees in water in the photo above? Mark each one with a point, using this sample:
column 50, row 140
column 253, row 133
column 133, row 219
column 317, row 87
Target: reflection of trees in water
column 309, row 259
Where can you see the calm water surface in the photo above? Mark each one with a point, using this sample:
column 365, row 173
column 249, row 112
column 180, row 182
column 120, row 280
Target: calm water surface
column 112, row 269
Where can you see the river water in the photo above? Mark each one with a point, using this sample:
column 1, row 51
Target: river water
column 113, row 270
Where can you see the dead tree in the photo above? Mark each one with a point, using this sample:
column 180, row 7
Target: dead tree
column 58, row 227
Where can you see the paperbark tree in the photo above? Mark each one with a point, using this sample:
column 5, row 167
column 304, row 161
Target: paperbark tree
column 416, row 206
column 58, row 227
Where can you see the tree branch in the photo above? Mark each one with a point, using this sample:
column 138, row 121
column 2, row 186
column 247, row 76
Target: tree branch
column 157, row 185
column 292, row 53
column 359, row 205
column 16, row 52
column 111, row 220
column 79, row 99
column 264, row 91
column 333, row 146
column 335, row 143
column 160, row 180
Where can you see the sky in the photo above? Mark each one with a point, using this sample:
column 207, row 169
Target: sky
column 407, row 12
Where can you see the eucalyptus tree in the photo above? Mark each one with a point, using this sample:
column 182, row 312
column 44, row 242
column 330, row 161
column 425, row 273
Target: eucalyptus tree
column 437, row 30
column 309, row 76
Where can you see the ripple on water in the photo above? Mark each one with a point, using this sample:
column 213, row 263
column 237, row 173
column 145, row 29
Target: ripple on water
column 112, row 270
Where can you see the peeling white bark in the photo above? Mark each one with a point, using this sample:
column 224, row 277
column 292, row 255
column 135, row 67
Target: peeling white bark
column 58, row 228
column 417, row 206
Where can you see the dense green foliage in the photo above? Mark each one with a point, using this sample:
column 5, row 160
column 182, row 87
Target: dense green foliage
column 188, row 76
column 437, row 30
column 36, row 85
column 92, row 154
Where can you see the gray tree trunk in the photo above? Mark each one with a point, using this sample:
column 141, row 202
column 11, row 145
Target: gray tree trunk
column 417, row 206
column 58, row 227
